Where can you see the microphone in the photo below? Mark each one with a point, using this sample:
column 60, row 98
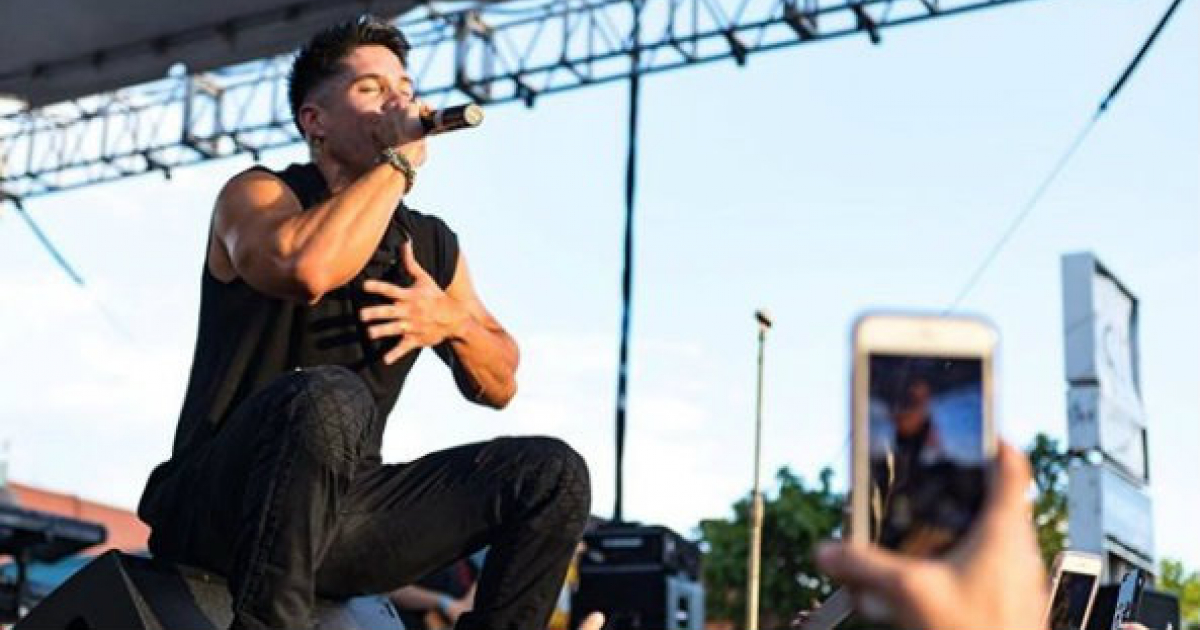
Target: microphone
column 452, row 119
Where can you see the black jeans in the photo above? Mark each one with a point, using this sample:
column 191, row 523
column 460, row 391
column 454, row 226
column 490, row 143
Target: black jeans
column 291, row 500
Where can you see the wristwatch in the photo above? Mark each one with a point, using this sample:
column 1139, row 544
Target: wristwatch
column 400, row 163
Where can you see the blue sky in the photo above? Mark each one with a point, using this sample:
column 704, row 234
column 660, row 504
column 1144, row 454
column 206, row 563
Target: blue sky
column 817, row 181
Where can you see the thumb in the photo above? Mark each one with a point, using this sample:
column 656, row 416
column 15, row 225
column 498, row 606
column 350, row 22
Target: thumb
column 861, row 567
column 1008, row 503
column 410, row 262
column 1005, row 524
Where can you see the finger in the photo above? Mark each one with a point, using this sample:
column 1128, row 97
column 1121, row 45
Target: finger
column 404, row 347
column 862, row 566
column 386, row 289
column 413, row 127
column 393, row 328
column 594, row 621
column 383, row 311
column 410, row 262
column 1009, row 495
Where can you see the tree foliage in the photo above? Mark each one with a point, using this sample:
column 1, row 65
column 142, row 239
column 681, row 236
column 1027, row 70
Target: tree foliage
column 795, row 518
column 1049, row 463
column 1174, row 578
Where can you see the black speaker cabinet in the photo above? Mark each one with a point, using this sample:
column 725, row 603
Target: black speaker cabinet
column 131, row 593
column 637, row 598
column 1157, row 609
column 629, row 544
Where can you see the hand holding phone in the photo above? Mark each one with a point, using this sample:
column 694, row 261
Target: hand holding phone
column 993, row 578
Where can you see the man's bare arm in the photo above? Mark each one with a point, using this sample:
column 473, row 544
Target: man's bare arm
column 484, row 356
column 262, row 236
column 285, row 252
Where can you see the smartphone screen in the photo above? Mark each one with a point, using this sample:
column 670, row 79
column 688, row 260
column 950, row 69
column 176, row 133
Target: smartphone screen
column 1071, row 600
column 1128, row 598
column 927, row 451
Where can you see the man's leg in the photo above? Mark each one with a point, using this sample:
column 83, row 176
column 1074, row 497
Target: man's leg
column 273, row 482
column 525, row 498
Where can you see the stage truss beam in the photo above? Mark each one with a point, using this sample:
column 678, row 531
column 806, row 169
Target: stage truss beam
column 490, row 53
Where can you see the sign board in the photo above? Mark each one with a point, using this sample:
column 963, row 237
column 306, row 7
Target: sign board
column 1110, row 510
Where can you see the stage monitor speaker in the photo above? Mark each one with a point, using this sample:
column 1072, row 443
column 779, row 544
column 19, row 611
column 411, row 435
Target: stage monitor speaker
column 628, row 544
column 1158, row 610
column 635, row 598
column 121, row 591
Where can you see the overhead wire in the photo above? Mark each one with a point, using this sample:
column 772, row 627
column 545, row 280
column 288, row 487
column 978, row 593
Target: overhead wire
column 1032, row 203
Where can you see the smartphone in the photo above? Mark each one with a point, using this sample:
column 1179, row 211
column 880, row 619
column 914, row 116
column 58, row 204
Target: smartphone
column 922, row 429
column 1075, row 578
column 1129, row 598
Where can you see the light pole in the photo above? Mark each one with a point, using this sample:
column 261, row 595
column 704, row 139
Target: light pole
column 756, row 500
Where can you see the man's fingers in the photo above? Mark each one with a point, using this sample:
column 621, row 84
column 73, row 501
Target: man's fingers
column 861, row 567
column 594, row 621
column 404, row 347
column 383, row 311
column 386, row 289
column 393, row 328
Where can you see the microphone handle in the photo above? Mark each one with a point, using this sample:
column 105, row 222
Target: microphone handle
column 452, row 119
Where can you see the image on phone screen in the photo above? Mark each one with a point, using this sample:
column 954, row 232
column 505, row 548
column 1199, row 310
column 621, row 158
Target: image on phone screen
column 1071, row 600
column 1128, row 598
column 926, row 447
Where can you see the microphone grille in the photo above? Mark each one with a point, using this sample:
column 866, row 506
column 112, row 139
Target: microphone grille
column 473, row 115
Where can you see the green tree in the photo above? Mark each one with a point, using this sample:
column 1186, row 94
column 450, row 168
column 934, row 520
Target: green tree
column 795, row 519
column 1049, row 463
column 1174, row 578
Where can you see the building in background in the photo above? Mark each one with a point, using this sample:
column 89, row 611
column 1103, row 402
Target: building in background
column 125, row 532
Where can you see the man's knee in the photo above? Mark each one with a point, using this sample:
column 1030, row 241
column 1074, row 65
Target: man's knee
column 560, row 473
column 333, row 413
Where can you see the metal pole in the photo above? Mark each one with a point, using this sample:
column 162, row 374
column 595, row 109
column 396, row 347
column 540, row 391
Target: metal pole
column 627, row 272
column 756, row 506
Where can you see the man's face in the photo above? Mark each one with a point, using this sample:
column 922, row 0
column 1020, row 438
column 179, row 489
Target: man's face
column 346, row 109
column 913, row 410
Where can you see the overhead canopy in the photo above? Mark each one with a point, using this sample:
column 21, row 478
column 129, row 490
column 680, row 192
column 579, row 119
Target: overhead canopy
column 56, row 50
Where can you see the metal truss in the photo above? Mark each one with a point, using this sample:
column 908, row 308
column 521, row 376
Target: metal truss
column 489, row 52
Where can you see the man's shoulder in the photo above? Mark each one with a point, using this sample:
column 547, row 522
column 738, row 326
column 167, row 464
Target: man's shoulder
column 253, row 177
column 289, row 175
column 260, row 185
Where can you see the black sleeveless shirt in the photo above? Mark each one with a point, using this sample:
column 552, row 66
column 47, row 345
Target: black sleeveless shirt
column 247, row 338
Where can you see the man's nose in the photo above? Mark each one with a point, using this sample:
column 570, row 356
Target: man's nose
column 401, row 98
column 394, row 98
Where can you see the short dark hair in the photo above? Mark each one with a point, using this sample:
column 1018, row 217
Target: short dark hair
column 318, row 60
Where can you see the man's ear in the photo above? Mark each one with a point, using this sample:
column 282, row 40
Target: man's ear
column 312, row 120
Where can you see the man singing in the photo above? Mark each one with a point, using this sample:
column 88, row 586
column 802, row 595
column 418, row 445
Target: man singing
column 320, row 288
